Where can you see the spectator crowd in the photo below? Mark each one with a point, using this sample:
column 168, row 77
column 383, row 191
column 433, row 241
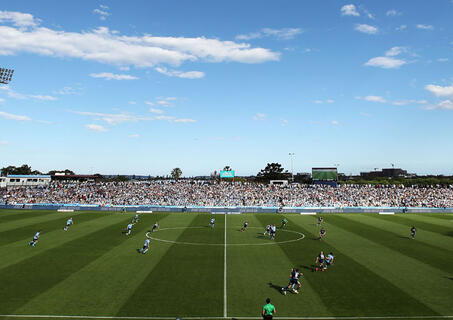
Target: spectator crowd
column 208, row 193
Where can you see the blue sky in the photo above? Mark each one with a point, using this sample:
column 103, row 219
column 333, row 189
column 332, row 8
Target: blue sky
column 141, row 87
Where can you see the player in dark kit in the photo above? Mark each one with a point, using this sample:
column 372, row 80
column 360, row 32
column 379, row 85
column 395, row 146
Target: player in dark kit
column 320, row 219
column 155, row 227
column 322, row 233
column 320, row 262
column 413, row 231
column 294, row 283
column 246, row 223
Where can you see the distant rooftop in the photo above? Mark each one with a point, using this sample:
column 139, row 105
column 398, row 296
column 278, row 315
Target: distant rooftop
column 30, row 176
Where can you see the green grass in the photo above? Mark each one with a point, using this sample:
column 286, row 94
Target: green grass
column 94, row 270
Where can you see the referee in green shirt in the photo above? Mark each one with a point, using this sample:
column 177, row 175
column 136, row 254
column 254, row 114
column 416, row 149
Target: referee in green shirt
column 268, row 310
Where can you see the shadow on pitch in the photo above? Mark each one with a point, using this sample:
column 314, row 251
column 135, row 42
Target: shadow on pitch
column 276, row 287
column 449, row 278
column 311, row 267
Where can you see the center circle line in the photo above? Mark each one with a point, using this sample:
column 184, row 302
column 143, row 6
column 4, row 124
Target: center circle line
column 147, row 234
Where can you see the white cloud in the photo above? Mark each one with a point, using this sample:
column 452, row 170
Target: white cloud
column 181, row 74
column 385, row 62
column 114, row 118
column 375, row 99
column 280, row 34
column 102, row 12
column 445, row 105
column 157, row 111
column 2, row 100
column 110, row 47
column 401, row 27
column 349, row 10
column 3, row 143
column 442, row 60
column 18, row 19
column 392, row 13
column 440, row 91
column 10, row 116
column 134, row 136
column 406, row 102
column 96, row 127
column 284, row 122
column 425, row 27
column 16, row 95
column 112, row 76
column 164, row 103
column 132, row 102
column 184, row 120
column 395, row 51
column 66, row 91
column 335, row 122
column 283, row 34
column 259, row 116
column 41, row 97
column 117, row 118
column 366, row 28
column 324, row 101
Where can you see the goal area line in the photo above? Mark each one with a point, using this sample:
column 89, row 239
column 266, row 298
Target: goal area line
column 42, row 316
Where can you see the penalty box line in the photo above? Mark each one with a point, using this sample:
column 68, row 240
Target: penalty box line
column 42, row 316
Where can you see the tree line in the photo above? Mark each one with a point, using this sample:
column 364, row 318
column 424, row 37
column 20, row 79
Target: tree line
column 272, row 171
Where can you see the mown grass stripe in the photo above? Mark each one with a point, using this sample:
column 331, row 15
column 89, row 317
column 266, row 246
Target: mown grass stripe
column 113, row 277
column 351, row 287
column 400, row 242
column 428, row 223
column 424, row 283
column 29, row 278
column 429, row 233
column 13, row 215
column 270, row 272
column 32, row 219
column 19, row 250
column 186, row 276
column 55, row 222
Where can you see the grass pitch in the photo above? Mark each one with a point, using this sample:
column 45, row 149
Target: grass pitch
column 195, row 271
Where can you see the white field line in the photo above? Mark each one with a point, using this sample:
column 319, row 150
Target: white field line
column 42, row 316
column 225, row 271
column 148, row 235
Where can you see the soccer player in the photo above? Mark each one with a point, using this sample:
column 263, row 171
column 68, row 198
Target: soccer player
column 135, row 218
column 246, row 223
column 129, row 229
column 294, row 283
column 320, row 220
column 322, row 233
column 35, row 239
column 413, row 231
column 268, row 310
column 212, row 223
column 273, row 231
column 155, row 227
column 284, row 222
column 268, row 230
column 320, row 262
column 329, row 259
column 145, row 247
column 68, row 224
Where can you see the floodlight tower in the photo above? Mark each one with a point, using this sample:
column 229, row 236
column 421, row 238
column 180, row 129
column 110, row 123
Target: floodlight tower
column 291, row 155
column 6, row 75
